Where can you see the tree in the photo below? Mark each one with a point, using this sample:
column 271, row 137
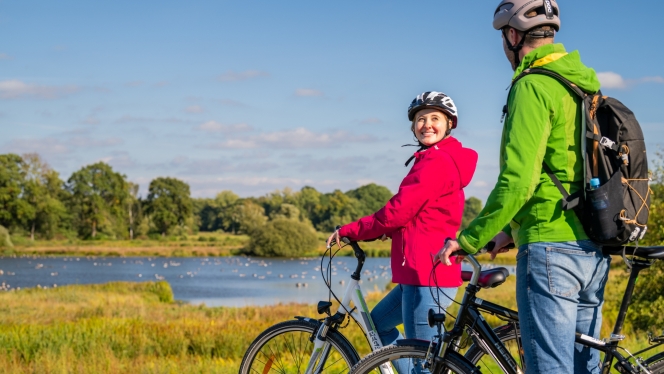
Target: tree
column 15, row 211
column 286, row 211
column 227, row 217
column 308, row 201
column 98, row 200
column 282, row 238
column 134, row 208
column 372, row 197
column 247, row 217
column 44, row 191
column 336, row 208
column 471, row 209
column 169, row 203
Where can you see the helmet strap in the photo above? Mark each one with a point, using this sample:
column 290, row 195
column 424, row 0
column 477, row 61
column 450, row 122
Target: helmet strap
column 514, row 48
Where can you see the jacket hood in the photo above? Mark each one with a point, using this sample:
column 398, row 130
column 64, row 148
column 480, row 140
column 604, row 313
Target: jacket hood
column 465, row 159
column 554, row 57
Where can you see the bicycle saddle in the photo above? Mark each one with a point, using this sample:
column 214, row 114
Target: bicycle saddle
column 650, row 253
column 488, row 278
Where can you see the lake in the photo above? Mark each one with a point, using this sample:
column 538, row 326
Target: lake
column 213, row 281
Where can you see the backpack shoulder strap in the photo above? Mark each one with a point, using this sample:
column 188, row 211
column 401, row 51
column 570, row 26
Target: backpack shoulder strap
column 578, row 91
column 569, row 201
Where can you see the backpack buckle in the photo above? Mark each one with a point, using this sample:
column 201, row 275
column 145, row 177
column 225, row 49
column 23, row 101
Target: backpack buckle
column 608, row 143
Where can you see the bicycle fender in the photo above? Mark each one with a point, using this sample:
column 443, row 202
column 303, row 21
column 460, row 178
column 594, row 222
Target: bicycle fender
column 414, row 342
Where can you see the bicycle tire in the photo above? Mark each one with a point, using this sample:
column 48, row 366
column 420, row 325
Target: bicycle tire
column 655, row 364
column 370, row 363
column 286, row 347
column 508, row 335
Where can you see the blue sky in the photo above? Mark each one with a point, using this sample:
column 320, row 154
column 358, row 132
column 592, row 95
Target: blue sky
column 255, row 96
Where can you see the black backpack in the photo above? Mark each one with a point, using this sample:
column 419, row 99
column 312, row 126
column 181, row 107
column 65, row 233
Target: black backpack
column 616, row 212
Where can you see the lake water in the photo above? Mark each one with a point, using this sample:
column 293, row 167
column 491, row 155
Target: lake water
column 214, row 281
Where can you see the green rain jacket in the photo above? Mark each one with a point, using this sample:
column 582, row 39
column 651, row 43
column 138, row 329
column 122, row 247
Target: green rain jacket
column 543, row 123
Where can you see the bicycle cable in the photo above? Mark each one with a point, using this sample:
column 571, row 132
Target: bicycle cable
column 436, row 298
column 328, row 281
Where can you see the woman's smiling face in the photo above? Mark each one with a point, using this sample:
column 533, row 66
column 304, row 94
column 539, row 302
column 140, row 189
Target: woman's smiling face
column 430, row 126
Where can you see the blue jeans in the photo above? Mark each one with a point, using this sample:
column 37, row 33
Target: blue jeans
column 560, row 291
column 408, row 305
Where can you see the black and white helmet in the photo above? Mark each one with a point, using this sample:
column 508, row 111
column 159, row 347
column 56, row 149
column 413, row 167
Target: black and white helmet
column 437, row 100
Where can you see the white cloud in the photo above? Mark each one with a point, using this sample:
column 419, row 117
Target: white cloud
column 4, row 56
column 308, row 92
column 231, row 103
column 291, row 139
column 610, row 80
column 14, row 89
column 214, row 126
column 43, row 146
column 652, row 79
column 232, row 76
column 194, row 109
column 57, row 146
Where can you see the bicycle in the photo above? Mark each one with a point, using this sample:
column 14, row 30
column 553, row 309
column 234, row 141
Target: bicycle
column 495, row 342
column 310, row 345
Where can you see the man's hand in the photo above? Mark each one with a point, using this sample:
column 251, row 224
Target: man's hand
column 501, row 241
column 450, row 247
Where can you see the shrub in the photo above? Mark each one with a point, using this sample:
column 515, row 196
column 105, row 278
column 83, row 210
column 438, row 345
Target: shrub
column 5, row 239
column 282, row 238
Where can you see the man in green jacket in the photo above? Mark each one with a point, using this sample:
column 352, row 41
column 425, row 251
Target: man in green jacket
column 560, row 273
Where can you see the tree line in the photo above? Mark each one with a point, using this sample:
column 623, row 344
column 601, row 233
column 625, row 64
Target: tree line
column 97, row 202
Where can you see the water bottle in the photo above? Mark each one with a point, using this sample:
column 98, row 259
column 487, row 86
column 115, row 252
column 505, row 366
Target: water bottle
column 599, row 200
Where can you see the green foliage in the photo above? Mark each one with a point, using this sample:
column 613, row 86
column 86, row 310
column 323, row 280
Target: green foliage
column 282, row 238
column 371, row 198
column 471, row 209
column 44, row 191
column 98, row 201
column 5, row 239
column 14, row 209
column 169, row 203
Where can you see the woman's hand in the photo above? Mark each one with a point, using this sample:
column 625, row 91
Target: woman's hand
column 335, row 237
column 501, row 241
column 450, row 247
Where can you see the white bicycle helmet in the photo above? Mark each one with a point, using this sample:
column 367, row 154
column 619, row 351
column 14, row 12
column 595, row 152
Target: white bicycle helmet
column 437, row 100
column 525, row 16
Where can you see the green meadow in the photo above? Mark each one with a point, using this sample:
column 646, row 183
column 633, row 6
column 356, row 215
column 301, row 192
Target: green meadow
column 138, row 328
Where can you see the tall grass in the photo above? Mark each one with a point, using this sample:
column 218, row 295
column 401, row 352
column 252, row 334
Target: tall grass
column 125, row 327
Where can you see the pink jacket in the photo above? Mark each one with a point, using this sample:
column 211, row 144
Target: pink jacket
column 426, row 210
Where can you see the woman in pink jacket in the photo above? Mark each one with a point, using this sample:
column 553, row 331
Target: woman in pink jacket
column 426, row 210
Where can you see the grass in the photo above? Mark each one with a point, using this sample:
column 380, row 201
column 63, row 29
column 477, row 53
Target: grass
column 125, row 327
column 203, row 244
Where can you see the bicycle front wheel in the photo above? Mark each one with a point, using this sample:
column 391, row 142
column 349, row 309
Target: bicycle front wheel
column 287, row 347
column 510, row 336
column 453, row 361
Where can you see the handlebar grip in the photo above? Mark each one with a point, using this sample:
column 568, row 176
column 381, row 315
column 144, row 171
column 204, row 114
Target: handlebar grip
column 491, row 245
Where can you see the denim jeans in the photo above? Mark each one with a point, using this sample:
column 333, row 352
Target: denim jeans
column 560, row 291
column 408, row 305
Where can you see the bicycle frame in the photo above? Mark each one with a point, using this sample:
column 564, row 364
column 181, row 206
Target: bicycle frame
column 360, row 313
